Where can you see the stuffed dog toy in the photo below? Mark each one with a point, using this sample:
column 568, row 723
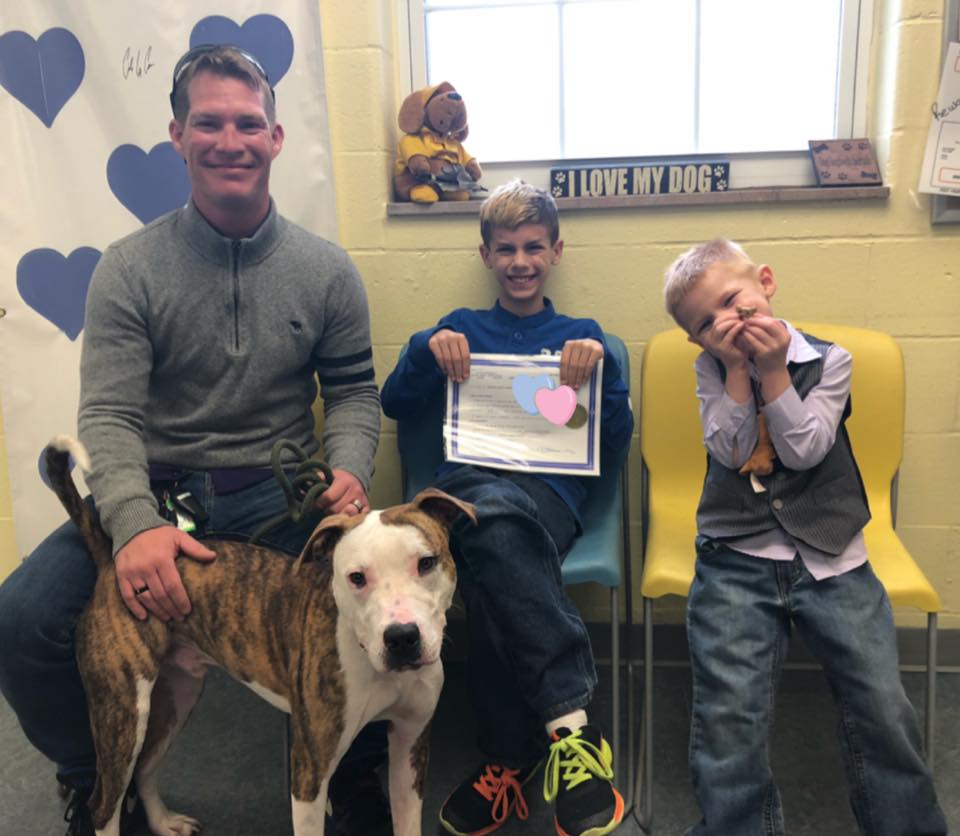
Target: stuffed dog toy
column 347, row 634
column 433, row 164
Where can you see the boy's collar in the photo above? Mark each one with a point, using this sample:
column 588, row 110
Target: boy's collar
column 799, row 350
column 502, row 314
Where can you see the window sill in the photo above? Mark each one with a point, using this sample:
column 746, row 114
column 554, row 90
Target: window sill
column 765, row 194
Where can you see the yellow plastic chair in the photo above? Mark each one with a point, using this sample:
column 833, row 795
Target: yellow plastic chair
column 674, row 464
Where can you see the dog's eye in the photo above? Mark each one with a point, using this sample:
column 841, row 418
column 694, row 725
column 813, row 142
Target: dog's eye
column 358, row 579
column 426, row 564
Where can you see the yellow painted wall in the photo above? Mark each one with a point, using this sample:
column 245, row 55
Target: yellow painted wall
column 876, row 264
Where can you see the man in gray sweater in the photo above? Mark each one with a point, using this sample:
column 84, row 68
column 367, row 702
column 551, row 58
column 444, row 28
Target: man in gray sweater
column 206, row 333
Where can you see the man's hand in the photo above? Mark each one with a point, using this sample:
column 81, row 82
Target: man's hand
column 344, row 496
column 578, row 360
column 452, row 353
column 147, row 574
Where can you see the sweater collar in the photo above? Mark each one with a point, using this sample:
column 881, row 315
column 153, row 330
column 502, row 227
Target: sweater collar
column 504, row 316
column 211, row 244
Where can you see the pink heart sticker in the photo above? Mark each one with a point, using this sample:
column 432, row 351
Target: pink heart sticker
column 556, row 405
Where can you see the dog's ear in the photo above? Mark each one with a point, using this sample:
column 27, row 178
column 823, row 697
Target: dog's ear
column 442, row 507
column 323, row 540
column 413, row 110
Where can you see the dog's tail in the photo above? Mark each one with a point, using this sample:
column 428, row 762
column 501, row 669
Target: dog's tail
column 57, row 456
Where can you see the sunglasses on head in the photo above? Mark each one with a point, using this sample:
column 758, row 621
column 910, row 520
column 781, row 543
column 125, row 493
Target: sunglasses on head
column 200, row 50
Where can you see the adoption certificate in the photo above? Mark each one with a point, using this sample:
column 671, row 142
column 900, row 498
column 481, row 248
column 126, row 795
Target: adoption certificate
column 513, row 414
column 941, row 162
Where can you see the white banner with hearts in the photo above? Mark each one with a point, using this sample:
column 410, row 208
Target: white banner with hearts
column 84, row 90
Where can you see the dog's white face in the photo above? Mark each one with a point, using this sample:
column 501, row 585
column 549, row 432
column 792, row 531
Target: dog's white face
column 393, row 581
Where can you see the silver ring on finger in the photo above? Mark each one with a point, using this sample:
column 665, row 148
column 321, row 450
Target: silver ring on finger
column 358, row 505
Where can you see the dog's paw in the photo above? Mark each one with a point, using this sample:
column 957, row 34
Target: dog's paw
column 176, row 824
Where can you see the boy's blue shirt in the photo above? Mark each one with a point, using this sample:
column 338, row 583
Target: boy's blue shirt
column 417, row 377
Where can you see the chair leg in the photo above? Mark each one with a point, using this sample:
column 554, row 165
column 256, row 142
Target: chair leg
column 930, row 714
column 643, row 790
column 615, row 671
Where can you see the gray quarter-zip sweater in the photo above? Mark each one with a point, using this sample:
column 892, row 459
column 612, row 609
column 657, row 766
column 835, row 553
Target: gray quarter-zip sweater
column 200, row 352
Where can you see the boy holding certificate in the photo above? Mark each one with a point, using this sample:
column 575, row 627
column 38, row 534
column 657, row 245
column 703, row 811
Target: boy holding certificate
column 530, row 666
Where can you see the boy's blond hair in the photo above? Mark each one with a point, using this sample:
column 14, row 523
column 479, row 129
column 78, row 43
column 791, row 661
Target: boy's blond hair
column 516, row 203
column 689, row 268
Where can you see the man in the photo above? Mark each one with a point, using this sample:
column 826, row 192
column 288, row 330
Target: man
column 205, row 334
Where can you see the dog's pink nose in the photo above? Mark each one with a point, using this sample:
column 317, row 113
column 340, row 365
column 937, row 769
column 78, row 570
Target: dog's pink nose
column 402, row 642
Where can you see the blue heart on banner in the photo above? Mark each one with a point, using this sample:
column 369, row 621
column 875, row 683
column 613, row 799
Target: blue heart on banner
column 56, row 287
column 264, row 36
column 42, row 74
column 42, row 467
column 148, row 184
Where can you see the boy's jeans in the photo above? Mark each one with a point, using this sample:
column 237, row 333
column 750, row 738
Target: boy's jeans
column 738, row 618
column 41, row 602
column 529, row 658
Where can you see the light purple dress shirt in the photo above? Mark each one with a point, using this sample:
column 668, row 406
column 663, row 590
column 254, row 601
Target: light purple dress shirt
column 802, row 432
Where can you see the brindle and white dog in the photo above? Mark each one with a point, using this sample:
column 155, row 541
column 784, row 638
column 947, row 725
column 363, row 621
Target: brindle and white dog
column 347, row 634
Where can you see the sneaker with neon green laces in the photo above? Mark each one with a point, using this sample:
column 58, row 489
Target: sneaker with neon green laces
column 579, row 779
column 484, row 801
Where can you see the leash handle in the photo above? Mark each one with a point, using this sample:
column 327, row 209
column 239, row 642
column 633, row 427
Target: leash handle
column 301, row 491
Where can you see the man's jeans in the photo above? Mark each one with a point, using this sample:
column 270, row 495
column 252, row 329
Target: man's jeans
column 529, row 658
column 738, row 620
column 41, row 602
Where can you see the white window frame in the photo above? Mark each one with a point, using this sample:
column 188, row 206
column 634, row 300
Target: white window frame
column 758, row 169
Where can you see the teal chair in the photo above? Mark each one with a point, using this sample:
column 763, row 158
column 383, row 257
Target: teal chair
column 601, row 555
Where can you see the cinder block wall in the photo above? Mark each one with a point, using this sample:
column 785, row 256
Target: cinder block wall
column 875, row 264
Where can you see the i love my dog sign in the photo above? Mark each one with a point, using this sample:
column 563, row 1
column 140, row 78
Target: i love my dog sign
column 622, row 179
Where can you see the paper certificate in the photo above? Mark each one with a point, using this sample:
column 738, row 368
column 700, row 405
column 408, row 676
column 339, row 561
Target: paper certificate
column 513, row 414
column 941, row 162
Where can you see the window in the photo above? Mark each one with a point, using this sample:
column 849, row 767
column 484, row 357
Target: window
column 550, row 80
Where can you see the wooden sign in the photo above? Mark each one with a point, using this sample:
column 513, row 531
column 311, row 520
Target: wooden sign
column 844, row 162
column 621, row 179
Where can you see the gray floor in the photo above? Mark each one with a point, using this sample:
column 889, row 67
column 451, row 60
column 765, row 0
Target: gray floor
column 226, row 768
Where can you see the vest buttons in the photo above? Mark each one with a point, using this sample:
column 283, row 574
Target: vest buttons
column 777, row 503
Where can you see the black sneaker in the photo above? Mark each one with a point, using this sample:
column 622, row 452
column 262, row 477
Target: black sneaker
column 133, row 818
column 77, row 815
column 484, row 801
column 359, row 807
column 579, row 777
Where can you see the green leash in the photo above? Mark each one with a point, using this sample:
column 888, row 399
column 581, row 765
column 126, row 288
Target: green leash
column 301, row 491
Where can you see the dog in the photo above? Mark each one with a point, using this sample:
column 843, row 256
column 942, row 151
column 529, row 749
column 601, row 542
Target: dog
column 347, row 634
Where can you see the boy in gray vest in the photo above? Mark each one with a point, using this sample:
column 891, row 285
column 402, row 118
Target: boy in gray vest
column 783, row 545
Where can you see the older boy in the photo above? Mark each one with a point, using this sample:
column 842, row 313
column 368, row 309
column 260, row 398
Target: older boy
column 530, row 665
column 779, row 549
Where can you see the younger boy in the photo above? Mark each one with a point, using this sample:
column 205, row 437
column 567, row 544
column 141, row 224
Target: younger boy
column 530, row 666
column 780, row 549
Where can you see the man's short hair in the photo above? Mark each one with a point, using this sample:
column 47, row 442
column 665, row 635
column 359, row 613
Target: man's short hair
column 688, row 269
column 516, row 203
column 226, row 61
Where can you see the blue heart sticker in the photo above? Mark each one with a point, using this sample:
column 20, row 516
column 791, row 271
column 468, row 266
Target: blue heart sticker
column 525, row 388
column 42, row 74
column 148, row 184
column 56, row 287
column 264, row 36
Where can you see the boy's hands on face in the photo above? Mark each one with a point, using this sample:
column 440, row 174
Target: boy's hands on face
column 452, row 353
column 578, row 360
column 767, row 341
column 722, row 340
